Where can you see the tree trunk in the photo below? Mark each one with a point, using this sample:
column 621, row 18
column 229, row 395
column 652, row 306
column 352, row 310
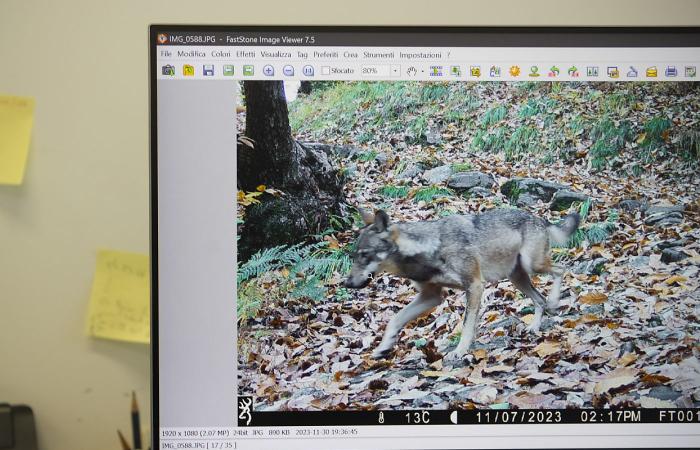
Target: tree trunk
column 311, row 187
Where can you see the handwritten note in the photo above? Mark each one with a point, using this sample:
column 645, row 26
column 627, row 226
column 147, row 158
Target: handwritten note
column 119, row 303
column 16, row 119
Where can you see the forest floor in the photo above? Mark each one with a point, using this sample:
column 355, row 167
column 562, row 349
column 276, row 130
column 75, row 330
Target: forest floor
column 627, row 330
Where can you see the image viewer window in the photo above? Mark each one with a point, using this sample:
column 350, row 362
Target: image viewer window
column 425, row 238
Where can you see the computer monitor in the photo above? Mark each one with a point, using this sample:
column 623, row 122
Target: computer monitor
column 377, row 237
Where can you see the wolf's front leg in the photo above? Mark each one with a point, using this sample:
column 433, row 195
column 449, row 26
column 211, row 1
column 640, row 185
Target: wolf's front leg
column 471, row 316
column 428, row 298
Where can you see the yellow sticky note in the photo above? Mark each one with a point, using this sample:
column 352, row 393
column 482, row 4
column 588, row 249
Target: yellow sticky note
column 119, row 304
column 16, row 118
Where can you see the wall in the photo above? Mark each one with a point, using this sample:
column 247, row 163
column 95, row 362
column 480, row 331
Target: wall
column 86, row 185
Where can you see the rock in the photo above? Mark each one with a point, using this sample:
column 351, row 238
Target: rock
column 431, row 401
column 564, row 198
column 411, row 171
column 525, row 200
column 433, row 136
column 345, row 151
column 639, row 261
column 465, row 181
column 670, row 255
column 594, row 266
column 381, row 158
column 663, row 245
column 630, row 205
column 539, row 189
column 351, row 170
column 480, row 192
column 317, row 146
column 663, row 215
column 438, row 175
column 664, row 393
column 596, row 310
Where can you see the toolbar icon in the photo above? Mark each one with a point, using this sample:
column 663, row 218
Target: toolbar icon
column 514, row 71
column 269, row 71
column 652, row 72
column 435, row 71
column 248, row 70
column 308, row 71
column 288, row 70
column 573, row 72
column 534, row 72
column 456, row 71
column 613, row 72
column 168, row 70
column 228, row 70
column 411, row 71
column 690, row 71
column 495, row 72
column 632, row 73
column 592, row 71
column 208, row 70
column 188, row 70
column 671, row 71
column 553, row 72
column 475, row 71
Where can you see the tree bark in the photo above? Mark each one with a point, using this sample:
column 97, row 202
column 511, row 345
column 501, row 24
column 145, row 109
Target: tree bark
column 312, row 189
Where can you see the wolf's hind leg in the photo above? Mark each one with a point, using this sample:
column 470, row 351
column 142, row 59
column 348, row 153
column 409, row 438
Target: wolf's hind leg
column 553, row 298
column 471, row 316
column 521, row 280
column 428, row 298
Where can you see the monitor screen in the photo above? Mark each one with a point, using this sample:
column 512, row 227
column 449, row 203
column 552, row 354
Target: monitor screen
column 425, row 238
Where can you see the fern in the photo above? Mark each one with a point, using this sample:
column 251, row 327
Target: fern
column 392, row 191
column 431, row 193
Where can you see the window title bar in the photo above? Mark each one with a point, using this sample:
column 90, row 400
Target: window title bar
column 425, row 37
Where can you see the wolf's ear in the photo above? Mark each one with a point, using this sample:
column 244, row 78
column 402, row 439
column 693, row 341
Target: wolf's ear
column 367, row 217
column 381, row 221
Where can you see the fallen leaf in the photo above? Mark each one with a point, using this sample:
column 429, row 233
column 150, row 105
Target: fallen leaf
column 593, row 298
column 547, row 348
column 499, row 368
column 527, row 318
column 618, row 377
column 627, row 359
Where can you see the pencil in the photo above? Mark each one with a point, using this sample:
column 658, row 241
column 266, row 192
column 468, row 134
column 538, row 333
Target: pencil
column 135, row 421
column 122, row 439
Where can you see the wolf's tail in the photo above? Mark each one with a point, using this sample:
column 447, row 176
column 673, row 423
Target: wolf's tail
column 561, row 232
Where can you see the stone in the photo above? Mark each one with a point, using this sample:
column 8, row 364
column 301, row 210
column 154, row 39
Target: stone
column 410, row 172
column 346, row 151
column 480, row 192
column 525, row 200
column 630, row 205
column 594, row 266
column 539, row 189
column 639, row 261
column 433, row 136
column 671, row 255
column 438, row 175
column 465, row 181
column 564, row 198
column 663, row 245
column 663, row 215
column 664, row 393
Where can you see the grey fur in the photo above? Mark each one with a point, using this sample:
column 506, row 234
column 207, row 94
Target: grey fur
column 462, row 252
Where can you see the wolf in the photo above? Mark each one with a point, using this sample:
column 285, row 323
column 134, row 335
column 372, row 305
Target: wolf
column 460, row 252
